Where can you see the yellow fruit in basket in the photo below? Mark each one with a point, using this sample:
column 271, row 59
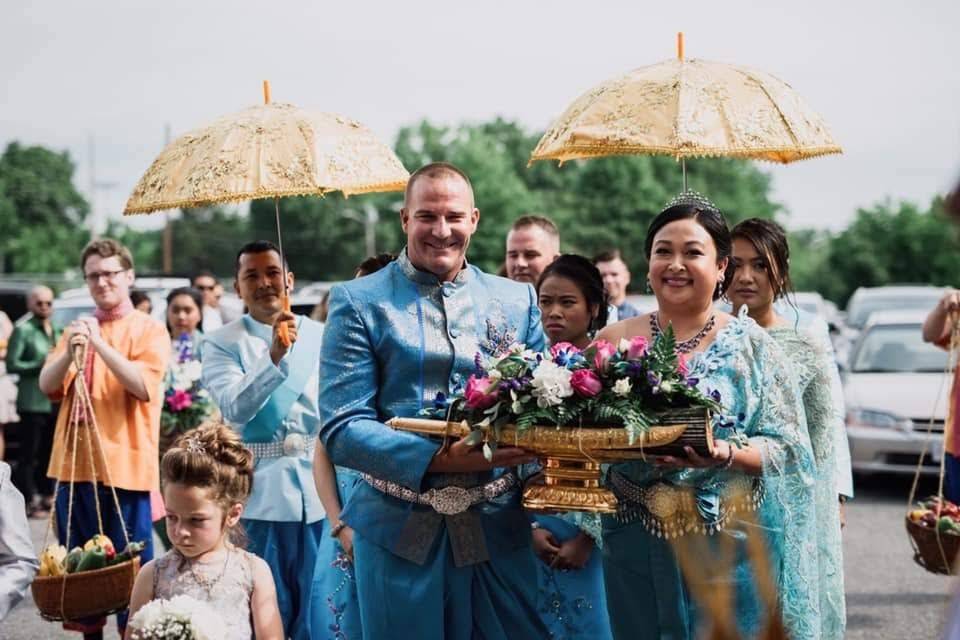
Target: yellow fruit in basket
column 51, row 560
column 98, row 540
column 917, row 514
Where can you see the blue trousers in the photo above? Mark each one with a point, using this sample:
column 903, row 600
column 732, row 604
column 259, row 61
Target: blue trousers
column 951, row 481
column 290, row 548
column 491, row 600
column 135, row 507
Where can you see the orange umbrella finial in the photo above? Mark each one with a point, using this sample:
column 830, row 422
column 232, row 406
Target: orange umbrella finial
column 680, row 46
column 266, row 92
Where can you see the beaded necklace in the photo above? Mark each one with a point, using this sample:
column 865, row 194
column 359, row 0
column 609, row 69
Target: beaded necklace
column 686, row 346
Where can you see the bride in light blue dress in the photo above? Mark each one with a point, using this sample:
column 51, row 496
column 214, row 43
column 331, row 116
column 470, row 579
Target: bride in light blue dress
column 762, row 459
column 761, row 262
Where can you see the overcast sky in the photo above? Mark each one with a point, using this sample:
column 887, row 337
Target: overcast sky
column 884, row 75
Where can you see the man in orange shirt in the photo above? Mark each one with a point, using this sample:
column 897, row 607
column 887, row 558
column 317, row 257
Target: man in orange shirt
column 938, row 329
column 126, row 358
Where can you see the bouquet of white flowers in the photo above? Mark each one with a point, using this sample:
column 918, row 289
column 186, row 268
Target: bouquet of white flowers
column 179, row 618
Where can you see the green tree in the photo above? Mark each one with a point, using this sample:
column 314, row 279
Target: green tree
column 40, row 209
column 890, row 244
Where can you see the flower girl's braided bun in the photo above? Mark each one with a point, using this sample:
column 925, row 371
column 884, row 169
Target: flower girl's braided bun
column 211, row 456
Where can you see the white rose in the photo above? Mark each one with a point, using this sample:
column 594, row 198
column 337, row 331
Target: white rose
column 551, row 384
column 622, row 387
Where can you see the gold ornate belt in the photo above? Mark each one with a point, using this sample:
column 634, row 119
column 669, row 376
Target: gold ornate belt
column 671, row 511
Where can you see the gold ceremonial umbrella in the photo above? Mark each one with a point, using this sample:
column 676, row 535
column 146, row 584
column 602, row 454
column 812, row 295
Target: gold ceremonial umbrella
column 689, row 108
column 267, row 151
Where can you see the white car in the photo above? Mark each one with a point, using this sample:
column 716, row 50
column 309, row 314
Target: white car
column 73, row 303
column 895, row 389
column 866, row 300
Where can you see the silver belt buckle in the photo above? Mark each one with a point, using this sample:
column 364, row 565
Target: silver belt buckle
column 449, row 500
column 294, row 444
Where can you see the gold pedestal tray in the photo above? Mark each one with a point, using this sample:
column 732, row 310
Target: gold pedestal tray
column 572, row 455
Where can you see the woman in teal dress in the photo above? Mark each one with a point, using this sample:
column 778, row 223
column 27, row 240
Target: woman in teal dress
column 334, row 592
column 762, row 459
column 571, row 598
column 761, row 277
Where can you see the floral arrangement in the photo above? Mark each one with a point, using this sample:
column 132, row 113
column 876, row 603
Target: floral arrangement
column 185, row 403
column 179, row 618
column 604, row 384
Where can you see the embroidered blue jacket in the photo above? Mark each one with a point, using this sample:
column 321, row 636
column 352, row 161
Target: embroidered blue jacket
column 393, row 341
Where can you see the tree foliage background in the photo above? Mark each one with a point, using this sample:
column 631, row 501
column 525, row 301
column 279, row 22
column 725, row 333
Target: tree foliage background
column 597, row 204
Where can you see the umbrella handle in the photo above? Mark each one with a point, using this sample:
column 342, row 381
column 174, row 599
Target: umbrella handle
column 282, row 332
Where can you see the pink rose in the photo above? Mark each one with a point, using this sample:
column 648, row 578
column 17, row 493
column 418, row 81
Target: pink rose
column 682, row 367
column 638, row 347
column 586, row 383
column 603, row 352
column 481, row 393
column 563, row 347
column 179, row 400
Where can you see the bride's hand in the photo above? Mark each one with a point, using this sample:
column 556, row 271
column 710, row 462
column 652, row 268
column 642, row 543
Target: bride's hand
column 722, row 450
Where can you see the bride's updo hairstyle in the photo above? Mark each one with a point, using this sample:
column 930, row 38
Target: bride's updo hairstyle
column 212, row 457
column 691, row 205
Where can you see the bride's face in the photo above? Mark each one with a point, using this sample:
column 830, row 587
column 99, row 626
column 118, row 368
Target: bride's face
column 684, row 270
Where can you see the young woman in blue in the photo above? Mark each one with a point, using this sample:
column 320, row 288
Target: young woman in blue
column 571, row 598
column 762, row 458
column 761, row 277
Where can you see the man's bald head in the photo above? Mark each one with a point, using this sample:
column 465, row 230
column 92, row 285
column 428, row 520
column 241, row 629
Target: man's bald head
column 436, row 171
column 40, row 302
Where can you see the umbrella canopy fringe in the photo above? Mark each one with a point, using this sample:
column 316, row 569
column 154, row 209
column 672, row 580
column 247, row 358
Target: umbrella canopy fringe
column 201, row 201
column 772, row 154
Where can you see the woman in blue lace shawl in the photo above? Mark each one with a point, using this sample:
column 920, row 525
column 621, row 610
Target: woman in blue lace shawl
column 762, row 457
column 761, row 276
column 570, row 595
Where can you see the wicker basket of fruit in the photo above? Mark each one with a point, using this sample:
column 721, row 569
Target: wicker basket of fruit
column 86, row 582
column 934, row 528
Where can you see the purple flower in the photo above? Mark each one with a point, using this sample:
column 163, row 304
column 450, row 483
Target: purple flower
column 478, row 365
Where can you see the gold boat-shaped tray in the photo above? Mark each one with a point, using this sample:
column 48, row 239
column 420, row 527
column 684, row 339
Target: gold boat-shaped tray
column 572, row 454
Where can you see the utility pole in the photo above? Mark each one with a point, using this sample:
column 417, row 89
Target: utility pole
column 95, row 185
column 167, row 225
column 369, row 221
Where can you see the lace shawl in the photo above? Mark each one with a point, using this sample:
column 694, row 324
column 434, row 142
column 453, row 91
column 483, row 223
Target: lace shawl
column 810, row 351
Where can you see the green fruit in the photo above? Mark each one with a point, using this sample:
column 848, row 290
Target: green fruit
column 133, row 549
column 73, row 559
column 92, row 559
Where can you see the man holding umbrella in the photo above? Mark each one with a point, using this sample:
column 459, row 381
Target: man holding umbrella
column 441, row 544
column 266, row 387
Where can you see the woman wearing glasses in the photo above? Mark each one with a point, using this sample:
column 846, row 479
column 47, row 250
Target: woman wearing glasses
column 762, row 461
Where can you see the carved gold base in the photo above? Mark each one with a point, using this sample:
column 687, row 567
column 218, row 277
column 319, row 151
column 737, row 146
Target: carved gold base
column 569, row 485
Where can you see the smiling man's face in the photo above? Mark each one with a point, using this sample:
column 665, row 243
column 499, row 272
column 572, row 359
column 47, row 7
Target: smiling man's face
column 259, row 283
column 439, row 218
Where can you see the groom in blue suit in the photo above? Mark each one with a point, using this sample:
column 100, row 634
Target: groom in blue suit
column 442, row 545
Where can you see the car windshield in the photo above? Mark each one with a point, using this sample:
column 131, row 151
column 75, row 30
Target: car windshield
column 897, row 349
column 860, row 312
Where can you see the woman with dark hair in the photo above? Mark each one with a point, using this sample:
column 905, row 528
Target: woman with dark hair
column 762, row 458
column 573, row 304
column 761, row 262
column 572, row 603
column 185, row 403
